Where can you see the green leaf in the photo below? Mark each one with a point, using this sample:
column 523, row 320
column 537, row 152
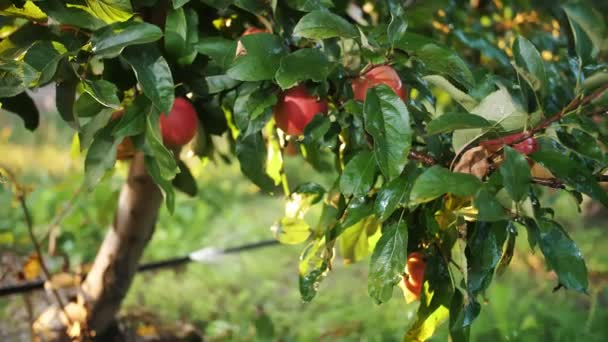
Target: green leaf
column 436, row 58
column 252, row 155
column 436, row 181
column 24, row 107
column 184, row 181
column 596, row 80
column 507, row 254
column 181, row 34
column 358, row 176
column 387, row 262
column 88, row 131
column 84, row 107
column 313, row 267
column 29, row 11
column 73, row 16
column 451, row 121
column 500, row 107
column 134, row 120
column 103, row 92
column 153, row 169
column 176, row 31
column 65, row 94
column 109, row 41
column 489, row 209
column 358, row 208
column 530, row 64
column 220, row 50
column 395, row 192
column 398, row 25
column 309, row 5
column 555, row 158
column 111, row 11
column 219, row 83
column 485, row 246
column 101, row 157
column 322, row 24
column 44, row 56
column 179, row 3
column 153, row 74
column 478, row 41
column 583, row 143
column 466, row 101
column 253, row 6
column 165, row 161
column 387, row 121
column 562, row 255
column 15, row 77
column 589, row 29
column 263, row 57
column 301, row 65
column 516, row 175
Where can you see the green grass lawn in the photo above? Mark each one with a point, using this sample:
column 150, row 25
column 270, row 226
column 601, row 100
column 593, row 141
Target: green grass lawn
column 254, row 295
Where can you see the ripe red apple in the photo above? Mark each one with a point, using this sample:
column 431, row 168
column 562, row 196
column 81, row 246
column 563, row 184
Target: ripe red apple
column 296, row 108
column 414, row 274
column 179, row 127
column 253, row 30
column 382, row 74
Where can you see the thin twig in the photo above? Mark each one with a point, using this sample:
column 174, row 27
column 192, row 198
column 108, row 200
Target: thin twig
column 65, row 211
column 557, row 184
column 20, row 194
column 30, row 314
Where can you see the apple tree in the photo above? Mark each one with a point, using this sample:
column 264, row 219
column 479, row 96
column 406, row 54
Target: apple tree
column 444, row 122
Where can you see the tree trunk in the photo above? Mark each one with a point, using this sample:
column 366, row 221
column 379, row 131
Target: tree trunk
column 116, row 262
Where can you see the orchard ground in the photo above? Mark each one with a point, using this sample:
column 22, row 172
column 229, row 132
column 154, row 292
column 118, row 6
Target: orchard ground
column 254, row 295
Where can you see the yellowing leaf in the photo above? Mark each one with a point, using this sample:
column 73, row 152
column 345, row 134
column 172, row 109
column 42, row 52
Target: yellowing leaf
column 355, row 240
column 146, row 331
column 291, row 230
column 31, row 268
column 425, row 327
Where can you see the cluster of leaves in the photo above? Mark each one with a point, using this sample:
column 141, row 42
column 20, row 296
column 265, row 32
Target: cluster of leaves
column 397, row 190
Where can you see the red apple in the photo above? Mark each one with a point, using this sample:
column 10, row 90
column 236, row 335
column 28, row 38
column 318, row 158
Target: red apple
column 383, row 74
column 296, row 108
column 414, row 274
column 253, row 30
column 179, row 127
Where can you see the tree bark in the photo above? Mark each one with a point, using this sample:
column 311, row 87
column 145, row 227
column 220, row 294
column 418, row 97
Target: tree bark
column 116, row 262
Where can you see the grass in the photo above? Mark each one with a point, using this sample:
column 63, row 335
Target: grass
column 254, row 294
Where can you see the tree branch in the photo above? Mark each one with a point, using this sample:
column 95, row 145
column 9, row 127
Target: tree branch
column 557, row 184
column 422, row 157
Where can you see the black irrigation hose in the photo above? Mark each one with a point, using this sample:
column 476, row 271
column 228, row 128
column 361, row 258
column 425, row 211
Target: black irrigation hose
column 39, row 284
